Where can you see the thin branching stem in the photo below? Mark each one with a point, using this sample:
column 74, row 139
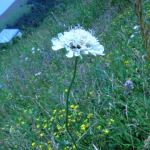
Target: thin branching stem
column 75, row 68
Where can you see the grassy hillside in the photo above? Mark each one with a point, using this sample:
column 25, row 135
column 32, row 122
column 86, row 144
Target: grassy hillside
column 15, row 11
column 104, row 114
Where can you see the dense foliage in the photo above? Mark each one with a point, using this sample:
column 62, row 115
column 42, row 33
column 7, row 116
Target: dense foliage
column 35, row 16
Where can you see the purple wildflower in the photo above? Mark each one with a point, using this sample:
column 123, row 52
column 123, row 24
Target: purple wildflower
column 129, row 86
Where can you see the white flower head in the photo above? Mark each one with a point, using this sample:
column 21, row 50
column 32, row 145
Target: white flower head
column 77, row 41
column 38, row 74
column 136, row 27
column 26, row 58
column 33, row 48
column 132, row 35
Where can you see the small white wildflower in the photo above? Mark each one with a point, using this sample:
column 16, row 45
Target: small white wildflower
column 33, row 50
column 77, row 41
column 37, row 74
column 132, row 35
column 38, row 49
column 136, row 27
column 26, row 58
column 110, row 104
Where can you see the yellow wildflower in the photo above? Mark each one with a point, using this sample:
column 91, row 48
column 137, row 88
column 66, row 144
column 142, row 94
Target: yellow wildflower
column 59, row 112
column 99, row 128
column 42, row 134
column 45, row 126
column 106, row 131
column 87, row 125
column 73, row 120
column 83, row 127
column 117, row 52
column 49, row 142
column 74, row 147
column 66, row 148
column 54, row 111
column 112, row 120
column 63, row 110
column 59, row 127
column 38, row 119
column 86, row 120
column 25, row 111
column 75, row 107
column 52, row 119
column 38, row 126
column 126, row 62
column 90, row 115
column 72, row 106
column 91, row 93
column 109, row 122
column 33, row 144
column 49, row 148
column 19, row 119
column 55, row 134
column 60, row 116
column 66, row 90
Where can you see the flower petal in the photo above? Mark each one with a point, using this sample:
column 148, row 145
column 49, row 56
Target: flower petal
column 57, row 47
column 56, row 44
column 94, row 52
column 55, row 41
column 98, row 47
column 60, row 36
column 69, row 54
column 76, row 52
column 84, row 52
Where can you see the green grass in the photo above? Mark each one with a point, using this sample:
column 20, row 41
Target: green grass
column 101, row 115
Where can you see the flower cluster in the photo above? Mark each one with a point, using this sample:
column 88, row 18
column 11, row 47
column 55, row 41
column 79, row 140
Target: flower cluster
column 77, row 41
column 129, row 85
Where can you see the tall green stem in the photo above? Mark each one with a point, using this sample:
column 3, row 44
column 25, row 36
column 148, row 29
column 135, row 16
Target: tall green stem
column 75, row 68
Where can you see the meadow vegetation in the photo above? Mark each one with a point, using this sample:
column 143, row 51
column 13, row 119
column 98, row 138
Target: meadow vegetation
column 104, row 112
